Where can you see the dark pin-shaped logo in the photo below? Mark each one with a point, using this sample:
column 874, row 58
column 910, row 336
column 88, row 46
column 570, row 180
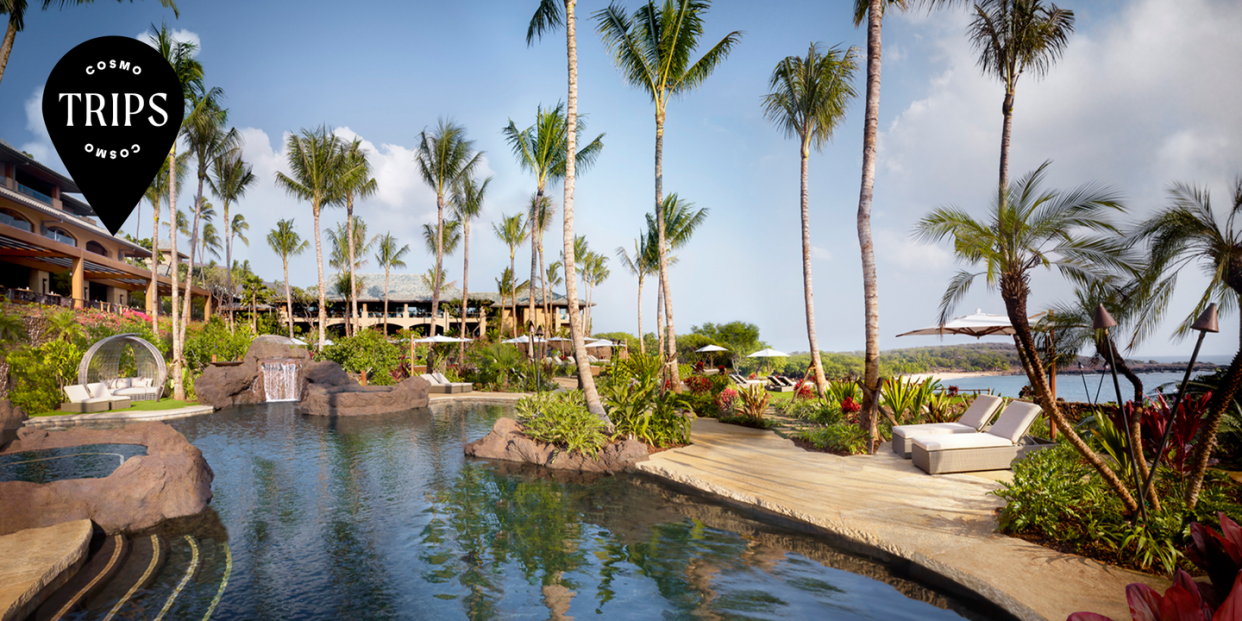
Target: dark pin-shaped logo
column 113, row 107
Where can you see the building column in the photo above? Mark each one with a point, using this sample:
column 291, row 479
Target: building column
column 78, row 282
column 207, row 309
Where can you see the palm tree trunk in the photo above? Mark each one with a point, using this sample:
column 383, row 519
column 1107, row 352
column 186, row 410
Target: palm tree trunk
column 288, row 296
column 1014, row 291
column 513, row 293
column 323, row 315
column 189, row 281
column 641, row 349
column 178, row 386
column 571, row 285
column 535, row 221
column 821, row 383
column 6, row 48
column 1222, row 399
column 353, row 283
column 465, row 285
column 154, row 289
column 435, row 293
column 871, row 295
column 670, row 339
column 228, row 264
column 386, row 272
column 659, row 316
column 1007, row 110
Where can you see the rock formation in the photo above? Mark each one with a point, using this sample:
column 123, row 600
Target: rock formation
column 171, row 480
column 221, row 386
column 507, row 442
column 325, row 399
column 11, row 419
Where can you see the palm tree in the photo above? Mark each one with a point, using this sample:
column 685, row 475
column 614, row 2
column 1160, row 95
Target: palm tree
column 680, row 223
column 159, row 191
column 541, row 149
column 594, row 272
column 641, row 268
column 254, row 288
column 231, row 178
column 17, row 21
column 652, row 50
column 1013, row 36
column 349, row 240
column 448, row 240
column 539, row 220
column 548, row 16
column 512, row 231
column 284, row 241
column 356, row 183
column 444, row 158
column 873, row 12
column 389, row 255
column 1026, row 229
column 507, row 286
column 1188, row 231
column 237, row 230
column 808, row 101
column 314, row 159
column 467, row 204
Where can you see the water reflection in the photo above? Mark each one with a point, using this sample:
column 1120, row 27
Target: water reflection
column 383, row 518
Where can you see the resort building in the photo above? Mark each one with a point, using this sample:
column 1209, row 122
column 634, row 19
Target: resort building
column 409, row 307
column 54, row 251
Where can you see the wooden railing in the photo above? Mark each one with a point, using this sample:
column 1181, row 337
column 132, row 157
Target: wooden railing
column 25, row 296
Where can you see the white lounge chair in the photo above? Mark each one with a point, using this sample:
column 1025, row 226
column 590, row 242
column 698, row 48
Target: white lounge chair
column 91, row 398
column 441, row 385
column 971, row 421
column 994, row 449
column 743, row 382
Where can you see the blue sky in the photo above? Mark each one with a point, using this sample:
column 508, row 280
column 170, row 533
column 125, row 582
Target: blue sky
column 1146, row 94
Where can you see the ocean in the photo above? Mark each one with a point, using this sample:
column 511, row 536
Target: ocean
column 1087, row 388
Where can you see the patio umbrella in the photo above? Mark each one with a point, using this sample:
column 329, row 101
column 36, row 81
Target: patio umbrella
column 977, row 324
column 602, row 343
column 524, row 339
column 768, row 353
column 710, row 349
column 439, row 338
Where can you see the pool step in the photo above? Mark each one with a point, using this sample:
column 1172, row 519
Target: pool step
column 107, row 556
column 147, row 554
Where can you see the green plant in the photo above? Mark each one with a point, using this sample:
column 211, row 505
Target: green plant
column 754, row 401
column 637, row 406
column 840, row 390
column 366, row 353
column 561, row 418
column 822, row 411
column 32, row 380
column 841, row 438
column 903, row 395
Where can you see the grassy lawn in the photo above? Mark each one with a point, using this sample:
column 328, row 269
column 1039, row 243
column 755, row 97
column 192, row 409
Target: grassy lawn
column 138, row 406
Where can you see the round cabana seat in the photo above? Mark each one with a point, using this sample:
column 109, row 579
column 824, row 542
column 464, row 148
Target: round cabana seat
column 100, row 371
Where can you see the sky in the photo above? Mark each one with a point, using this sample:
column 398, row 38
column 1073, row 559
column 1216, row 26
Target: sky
column 1146, row 95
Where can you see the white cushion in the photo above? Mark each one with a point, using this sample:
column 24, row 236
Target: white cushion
column 122, row 392
column 441, row 378
column 143, row 381
column 98, row 391
column 956, row 441
column 1015, row 421
column 77, row 393
column 931, row 429
column 981, row 411
column 431, row 379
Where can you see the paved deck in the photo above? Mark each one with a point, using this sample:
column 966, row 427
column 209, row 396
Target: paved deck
column 883, row 505
column 69, row 420
column 37, row 561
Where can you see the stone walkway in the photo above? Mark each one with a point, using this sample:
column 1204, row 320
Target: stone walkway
column 941, row 527
column 37, row 561
column 69, row 420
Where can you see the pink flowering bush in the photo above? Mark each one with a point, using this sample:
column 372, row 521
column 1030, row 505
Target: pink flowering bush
column 725, row 400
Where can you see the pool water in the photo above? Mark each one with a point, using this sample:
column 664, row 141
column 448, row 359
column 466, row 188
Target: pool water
column 384, row 518
column 91, row 461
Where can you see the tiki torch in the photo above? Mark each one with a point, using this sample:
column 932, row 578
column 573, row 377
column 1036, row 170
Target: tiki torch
column 1104, row 321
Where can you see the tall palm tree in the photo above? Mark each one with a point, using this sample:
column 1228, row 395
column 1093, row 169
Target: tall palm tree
column 549, row 16
column 1026, row 229
column 356, row 183
column 157, row 192
column 314, row 159
column 652, row 49
column 16, row 10
column 872, row 11
column 1186, row 232
column 680, row 223
column 594, row 272
column 285, row 241
column 349, row 240
column 512, row 231
column 541, row 149
column 389, row 255
column 640, row 268
column 507, row 286
column 444, row 157
column 539, row 220
column 1014, row 36
column 448, row 240
column 467, row 204
column 808, row 101
column 229, row 181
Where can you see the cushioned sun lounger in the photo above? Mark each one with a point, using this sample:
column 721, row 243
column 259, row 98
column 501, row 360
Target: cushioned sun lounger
column 776, row 385
column 971, row 421
column 454, row 387
column 994, row 449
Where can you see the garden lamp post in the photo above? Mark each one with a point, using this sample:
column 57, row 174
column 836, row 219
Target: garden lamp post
column 1104, row 321
column 1204, row 324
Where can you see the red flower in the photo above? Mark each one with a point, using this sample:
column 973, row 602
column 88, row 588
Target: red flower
column 849, row 406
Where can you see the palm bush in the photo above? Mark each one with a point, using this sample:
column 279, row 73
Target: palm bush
column 639, row 408
column 561, row 418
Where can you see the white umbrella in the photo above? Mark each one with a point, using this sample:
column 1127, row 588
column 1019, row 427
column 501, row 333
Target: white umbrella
column 439, row 338
column 602, row 343
column 710, row 348
column 977, row 324
column 524, row 339
column 768, row 353
column 328, row 342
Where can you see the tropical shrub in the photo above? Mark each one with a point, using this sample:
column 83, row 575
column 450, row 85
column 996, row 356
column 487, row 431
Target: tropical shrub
column 561, row 418
column 639, row 408
column 33, row 375
column 494, row 363
column 754, row 401
column 366, row 353
column 746, row 420
column 215, row 339
column 726, row 400
column 842, row 438
column 814, row 410
column 841, row 390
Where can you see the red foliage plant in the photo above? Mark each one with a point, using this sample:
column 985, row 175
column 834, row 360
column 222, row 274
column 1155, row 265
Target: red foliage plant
column 724, row 400
column 698, row 384
column 803, row 390
column 849, row 406
column 1156, row 417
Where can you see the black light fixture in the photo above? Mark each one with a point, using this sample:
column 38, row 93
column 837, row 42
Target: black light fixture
column 1103, row 321
column 1204, row 324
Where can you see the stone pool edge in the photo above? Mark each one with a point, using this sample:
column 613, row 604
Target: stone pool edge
column 44, row 422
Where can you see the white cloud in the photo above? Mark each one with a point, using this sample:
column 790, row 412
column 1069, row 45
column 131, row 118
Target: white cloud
column 820, row 253
column 179, row 35
column 41, row 147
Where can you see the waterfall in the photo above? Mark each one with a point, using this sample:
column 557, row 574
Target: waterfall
column 280, row 380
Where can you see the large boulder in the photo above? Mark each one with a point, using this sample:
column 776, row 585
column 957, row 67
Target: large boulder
column 171, row 480
column 507, row 442
column 222, row 386
column 11, row 419
column 349, row 399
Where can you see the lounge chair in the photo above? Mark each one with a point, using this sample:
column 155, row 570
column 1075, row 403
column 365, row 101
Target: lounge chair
column 743, row 382
column 971, row 421
column 441, row 385
column 775, row 384
column 91, row 398
column 994, row 449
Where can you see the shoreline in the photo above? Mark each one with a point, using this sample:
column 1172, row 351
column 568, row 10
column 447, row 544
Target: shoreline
column 944, row 376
